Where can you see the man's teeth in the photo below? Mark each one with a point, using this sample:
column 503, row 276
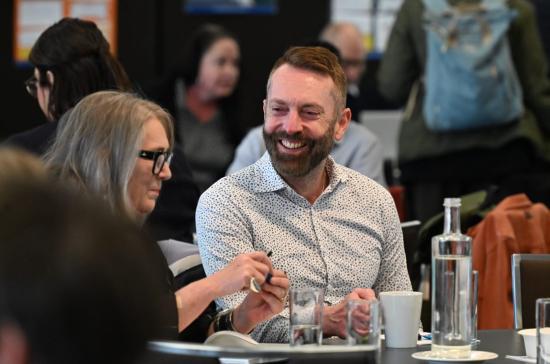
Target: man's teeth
column 291, row 144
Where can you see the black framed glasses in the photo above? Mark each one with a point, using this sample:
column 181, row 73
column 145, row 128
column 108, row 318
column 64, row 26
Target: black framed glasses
column 31, row 86
column 159, row 158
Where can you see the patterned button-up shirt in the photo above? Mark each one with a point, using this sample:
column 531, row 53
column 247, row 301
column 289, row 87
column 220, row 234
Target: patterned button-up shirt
column 349, row 237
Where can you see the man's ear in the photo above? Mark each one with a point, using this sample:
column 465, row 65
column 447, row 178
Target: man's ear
column 342, row 124
column 264, row 106
column 13, row 345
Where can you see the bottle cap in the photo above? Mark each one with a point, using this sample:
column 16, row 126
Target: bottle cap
column 451, row 202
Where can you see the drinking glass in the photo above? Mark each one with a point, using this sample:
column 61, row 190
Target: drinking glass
column 543, row 330
column 306, row 313
column 363, row 321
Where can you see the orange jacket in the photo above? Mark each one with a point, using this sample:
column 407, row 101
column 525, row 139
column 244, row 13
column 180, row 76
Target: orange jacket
column 516, row 225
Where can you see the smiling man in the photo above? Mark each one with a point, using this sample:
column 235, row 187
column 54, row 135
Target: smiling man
column 327, row 226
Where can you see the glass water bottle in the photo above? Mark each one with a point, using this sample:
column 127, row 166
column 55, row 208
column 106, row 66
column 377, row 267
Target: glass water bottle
column 451, row 287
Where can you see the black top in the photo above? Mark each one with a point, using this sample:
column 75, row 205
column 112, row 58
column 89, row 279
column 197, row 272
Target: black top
column 174, row 214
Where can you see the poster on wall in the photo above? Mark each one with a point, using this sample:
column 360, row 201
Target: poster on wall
column 32, row 17
column 221, row 7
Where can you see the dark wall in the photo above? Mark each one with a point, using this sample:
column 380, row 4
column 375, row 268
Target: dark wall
column 151, row 34
column 262, row 38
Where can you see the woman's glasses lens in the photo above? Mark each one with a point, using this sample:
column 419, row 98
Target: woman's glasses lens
column 30, row 85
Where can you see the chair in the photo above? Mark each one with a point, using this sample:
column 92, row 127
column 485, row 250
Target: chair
column 530, row 280
column 410, row 231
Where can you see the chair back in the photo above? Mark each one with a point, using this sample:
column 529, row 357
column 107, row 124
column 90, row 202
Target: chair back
column 530, row 280
column 410, row 231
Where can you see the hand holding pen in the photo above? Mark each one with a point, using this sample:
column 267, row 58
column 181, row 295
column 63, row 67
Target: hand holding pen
column 254, row 285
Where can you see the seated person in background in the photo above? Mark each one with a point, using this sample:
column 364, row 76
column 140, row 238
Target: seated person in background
column 359, row 149
column 117, row 147
column 71, row 59
column 76, row 284
column 347, row 38
column 327, row 226
column 201, row 92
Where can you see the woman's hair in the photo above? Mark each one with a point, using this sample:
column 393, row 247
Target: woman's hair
column 78, row 55
column 199, row 43
column 97, row 144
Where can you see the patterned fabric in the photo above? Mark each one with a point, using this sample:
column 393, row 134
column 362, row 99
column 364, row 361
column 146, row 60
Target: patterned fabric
column 350, row 237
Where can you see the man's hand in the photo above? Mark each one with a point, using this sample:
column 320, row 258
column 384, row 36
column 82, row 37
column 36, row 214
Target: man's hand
column 237, row 274
column 258, row 307
column 334, row 317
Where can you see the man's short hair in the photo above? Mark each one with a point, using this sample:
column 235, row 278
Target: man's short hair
column 318, row 60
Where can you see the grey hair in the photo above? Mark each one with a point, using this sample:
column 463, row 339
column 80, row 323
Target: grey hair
column 98, row 141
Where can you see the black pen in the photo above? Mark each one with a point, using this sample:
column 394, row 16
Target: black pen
column 268, row 276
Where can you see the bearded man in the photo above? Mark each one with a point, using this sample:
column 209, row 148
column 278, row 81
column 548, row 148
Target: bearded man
column 326, row 225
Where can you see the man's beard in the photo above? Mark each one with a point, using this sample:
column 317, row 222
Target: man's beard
column 298, row 166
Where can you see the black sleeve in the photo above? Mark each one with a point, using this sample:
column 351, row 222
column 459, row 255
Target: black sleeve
column 36, row 140
column 174, row 214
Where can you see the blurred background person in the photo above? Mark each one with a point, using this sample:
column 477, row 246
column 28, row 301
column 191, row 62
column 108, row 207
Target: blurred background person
column 117, row 146
column 434, row 165
column 71, row 59
column 347, row 38
column 201, row 92
column 76, row 283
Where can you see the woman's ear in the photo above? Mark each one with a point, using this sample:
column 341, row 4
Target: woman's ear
column 13, row 345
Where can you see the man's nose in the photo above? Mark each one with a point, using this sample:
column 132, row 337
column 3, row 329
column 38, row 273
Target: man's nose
column 293, row 123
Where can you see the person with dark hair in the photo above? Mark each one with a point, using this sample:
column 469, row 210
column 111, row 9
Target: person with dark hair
column 117, row 147
column 201, row 92
column 71, row 60
column 319, row 218
column 77, row 284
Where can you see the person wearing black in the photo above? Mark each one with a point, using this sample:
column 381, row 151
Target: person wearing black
column 77, row 283
column 202, row 92
column 71, row 59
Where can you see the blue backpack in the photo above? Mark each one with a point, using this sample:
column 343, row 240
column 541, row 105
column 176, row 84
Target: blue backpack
column 471, row 81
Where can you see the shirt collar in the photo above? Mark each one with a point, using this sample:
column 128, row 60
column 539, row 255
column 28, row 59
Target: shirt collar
column 266, row 178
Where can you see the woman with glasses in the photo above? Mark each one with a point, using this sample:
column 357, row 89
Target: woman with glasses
column 71, row 60
column 117, row 146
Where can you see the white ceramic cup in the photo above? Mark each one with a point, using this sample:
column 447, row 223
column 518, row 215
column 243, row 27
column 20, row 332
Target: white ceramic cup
column 401, row 312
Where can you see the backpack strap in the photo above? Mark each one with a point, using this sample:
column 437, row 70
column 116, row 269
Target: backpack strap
column 494, row 4
column 437, row 7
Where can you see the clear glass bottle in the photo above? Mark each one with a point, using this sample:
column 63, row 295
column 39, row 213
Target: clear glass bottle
column 451, row 287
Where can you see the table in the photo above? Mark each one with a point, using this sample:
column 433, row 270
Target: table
column 502, row 342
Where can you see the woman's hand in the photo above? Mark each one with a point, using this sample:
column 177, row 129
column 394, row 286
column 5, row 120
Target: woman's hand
column 237, row 274
column 258, row 307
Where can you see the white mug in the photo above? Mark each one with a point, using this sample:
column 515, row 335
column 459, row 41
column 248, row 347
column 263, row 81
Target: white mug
column 401, row 312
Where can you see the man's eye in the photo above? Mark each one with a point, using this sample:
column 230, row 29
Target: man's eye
column 277, row 109
column 311, row 114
